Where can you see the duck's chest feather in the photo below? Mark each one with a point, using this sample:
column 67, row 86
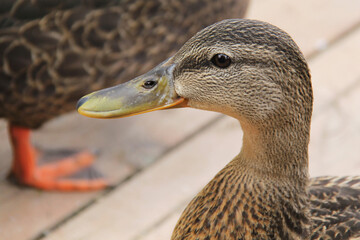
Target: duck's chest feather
column 232, row 206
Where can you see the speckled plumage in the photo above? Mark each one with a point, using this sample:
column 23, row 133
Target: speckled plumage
column 335, row 207
column 233, row 206
column 53, row 52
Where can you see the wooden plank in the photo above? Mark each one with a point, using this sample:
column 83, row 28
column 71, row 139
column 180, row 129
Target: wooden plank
column 149, row 197
column 312, row 24
column 127, row 144
column 164, row 229
column 146, row 206
column 337, row 70
column 28, row 209
column 335, row 139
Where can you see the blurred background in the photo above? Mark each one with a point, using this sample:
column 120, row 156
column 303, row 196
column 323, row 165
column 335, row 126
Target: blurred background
column 160, row 160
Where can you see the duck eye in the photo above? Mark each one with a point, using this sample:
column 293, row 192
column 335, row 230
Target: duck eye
column 149, row 84
column 221, row 60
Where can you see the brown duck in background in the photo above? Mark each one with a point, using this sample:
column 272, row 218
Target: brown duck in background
column 254, row 72
column 53, row 52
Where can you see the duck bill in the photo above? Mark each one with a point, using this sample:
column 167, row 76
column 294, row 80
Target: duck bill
column 149, row 92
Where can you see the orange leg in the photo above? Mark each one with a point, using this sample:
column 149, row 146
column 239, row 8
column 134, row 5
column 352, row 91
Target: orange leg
column 49, row 176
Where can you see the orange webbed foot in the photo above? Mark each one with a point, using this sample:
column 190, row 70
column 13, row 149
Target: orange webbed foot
column 50, row 176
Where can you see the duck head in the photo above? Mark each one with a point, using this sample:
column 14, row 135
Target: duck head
column 247, row 69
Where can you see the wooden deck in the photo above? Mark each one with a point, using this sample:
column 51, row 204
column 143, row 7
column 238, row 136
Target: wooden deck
column 161, row 160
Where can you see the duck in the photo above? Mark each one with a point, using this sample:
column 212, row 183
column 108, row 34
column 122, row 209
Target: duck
column 254, row 72
column 53, row 52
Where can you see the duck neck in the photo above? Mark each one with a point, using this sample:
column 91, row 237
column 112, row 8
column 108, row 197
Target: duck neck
column 261, row 194
column 273, row 165
column 279, row 153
